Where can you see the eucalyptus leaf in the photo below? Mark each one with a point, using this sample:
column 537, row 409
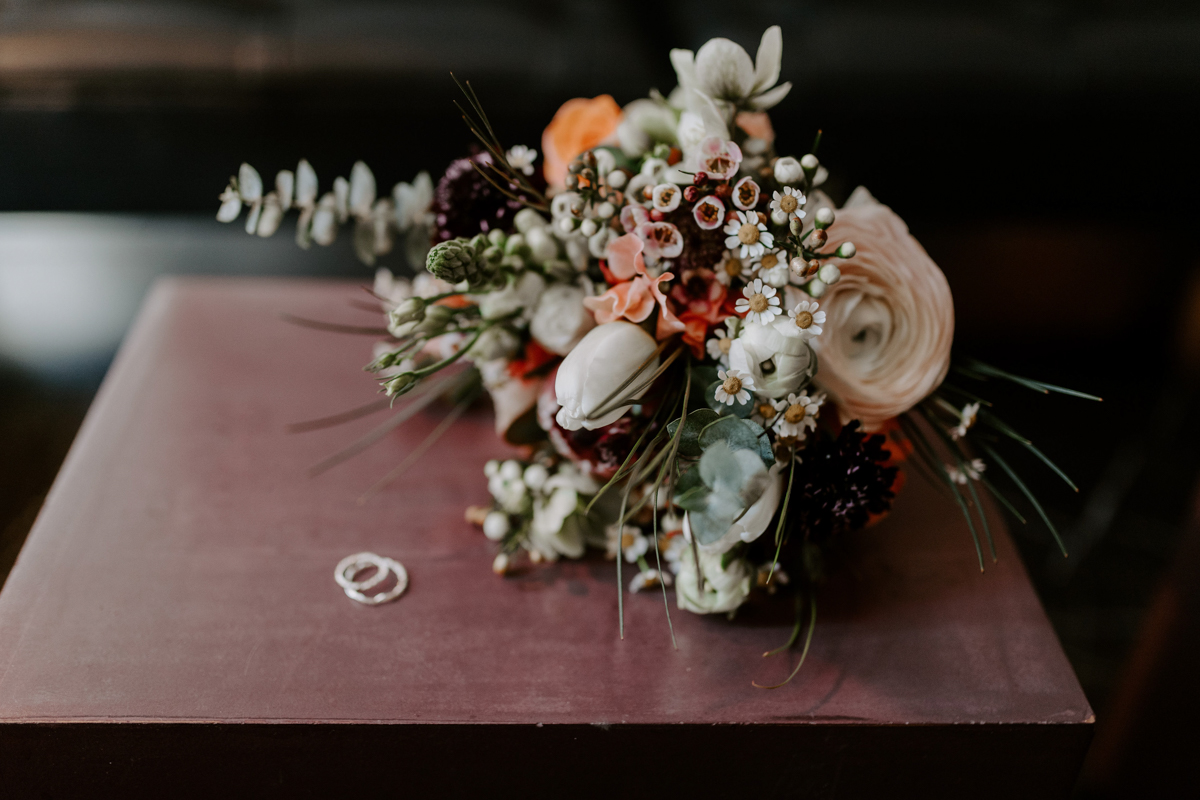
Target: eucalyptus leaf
column 739, row 434
column 689, row 441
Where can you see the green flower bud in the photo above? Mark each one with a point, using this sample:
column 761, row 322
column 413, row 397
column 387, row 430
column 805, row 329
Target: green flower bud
column 401, row 384
column 496, row 237
column 460, row 260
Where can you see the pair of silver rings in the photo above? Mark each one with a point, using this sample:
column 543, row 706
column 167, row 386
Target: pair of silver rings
column 350, row 566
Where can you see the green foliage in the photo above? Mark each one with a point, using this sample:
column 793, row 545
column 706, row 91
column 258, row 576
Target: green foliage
column 719, row 489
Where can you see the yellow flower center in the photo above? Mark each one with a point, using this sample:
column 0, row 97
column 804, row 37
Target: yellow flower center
column 766, row 411
column 804, row 319
column 733, row 267
column 794, row 414
column 626, row 541
column 788, row 203
column 725, row 344
column 732, row 385
column 759, row 303
column 748, row 233
column 769, row 261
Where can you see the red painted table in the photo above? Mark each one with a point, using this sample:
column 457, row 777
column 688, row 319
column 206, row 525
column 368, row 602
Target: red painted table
column 173, row 625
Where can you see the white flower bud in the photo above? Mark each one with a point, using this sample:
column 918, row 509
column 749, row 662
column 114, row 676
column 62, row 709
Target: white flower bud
column 653, row 167
column 500, row 565
column 829, row 273
column 566, row 225
column 495, row 526
column 542, row 245
column 491, row 469
column 605, row 210
column 824, row 217
column 535, row 476
column 846, row 250
column 616, row 179
column 589, row 227
column 527, row 219
column 605, row 160
column 788, row 170
column 514, row 243
column 779, row 217
column 511, row 470
column 809, row 162
column 816, row 287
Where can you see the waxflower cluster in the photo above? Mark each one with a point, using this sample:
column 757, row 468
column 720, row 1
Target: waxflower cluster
column 713, row 367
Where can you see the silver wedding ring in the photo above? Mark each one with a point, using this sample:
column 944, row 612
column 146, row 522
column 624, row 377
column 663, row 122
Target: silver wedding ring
column 356, row 590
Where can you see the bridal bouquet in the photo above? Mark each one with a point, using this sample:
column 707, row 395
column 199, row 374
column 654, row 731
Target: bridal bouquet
column 715, row 369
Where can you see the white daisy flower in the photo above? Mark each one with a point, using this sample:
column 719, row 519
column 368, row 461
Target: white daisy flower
column 789, row 202
column 764, row 413
column 718, row 347
column 648, row 579
column 807, row 318
column 522, row 158
column 731, row 267
column 773, row 268
column 972, row 470
column 746, row 231
column 797, row 414
column 759, row 303
column 965, row 422
column 734, row 384
column 630, row 540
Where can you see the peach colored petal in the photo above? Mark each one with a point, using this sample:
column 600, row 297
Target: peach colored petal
column 579, row 125
column 625, row 257
column 757, row 124
column 633, row 300
column 668, row 323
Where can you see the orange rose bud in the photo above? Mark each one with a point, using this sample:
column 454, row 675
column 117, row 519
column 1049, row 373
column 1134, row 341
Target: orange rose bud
column 579, row 125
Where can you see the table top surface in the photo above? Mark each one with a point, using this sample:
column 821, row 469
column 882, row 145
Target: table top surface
column 182, row 570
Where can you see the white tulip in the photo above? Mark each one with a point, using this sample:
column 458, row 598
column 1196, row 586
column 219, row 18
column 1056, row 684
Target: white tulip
column 601, row 362
column 560, row 319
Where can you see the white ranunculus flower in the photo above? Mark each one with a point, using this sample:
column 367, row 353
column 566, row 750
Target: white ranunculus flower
column 520, row 293
column 602, row 361
column 724, row 589
column 497, row 342
column 777, row 361
column 722, row 70
column 560, row 319
column 889, row 319
column 754, row 522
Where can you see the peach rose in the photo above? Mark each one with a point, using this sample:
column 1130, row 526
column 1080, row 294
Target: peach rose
column 890, row 319
column 579, row 125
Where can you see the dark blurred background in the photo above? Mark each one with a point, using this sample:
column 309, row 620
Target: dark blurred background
column 1045, row 153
